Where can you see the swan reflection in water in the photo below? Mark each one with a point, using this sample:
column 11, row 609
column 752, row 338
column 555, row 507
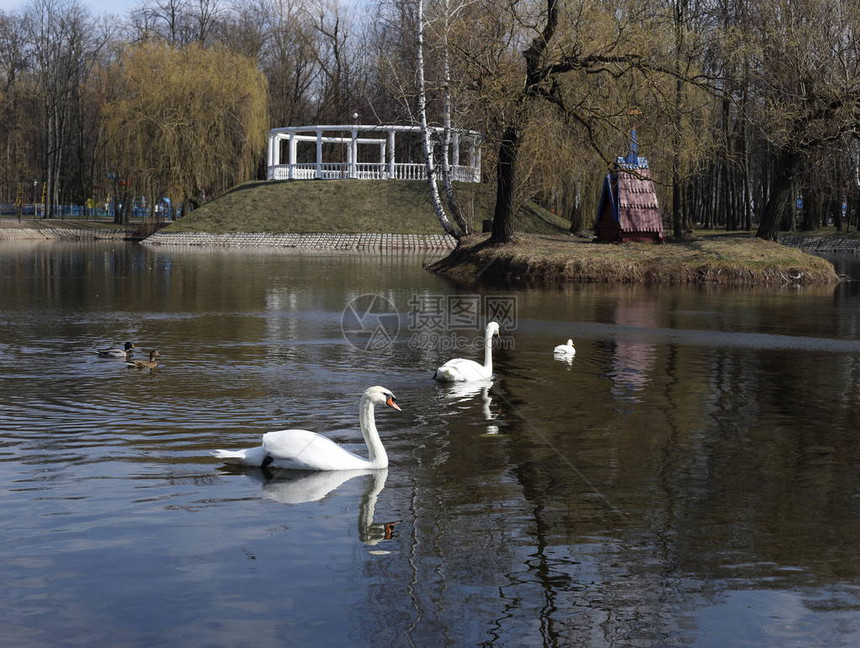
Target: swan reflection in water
column 465, row 391
column 301, row 486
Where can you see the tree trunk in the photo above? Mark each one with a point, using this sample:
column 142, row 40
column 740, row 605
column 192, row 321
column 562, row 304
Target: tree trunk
column 503, row 215
column 506, row 167
column 780, row 196
column 811, row 210
column 572, row 204
column 677, row 215
column 836, row 210
column 856, row 215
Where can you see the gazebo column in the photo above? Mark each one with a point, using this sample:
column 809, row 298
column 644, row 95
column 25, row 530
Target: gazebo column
column 294, row 143
column 318, row 173
column 347, row 173
column 270, row 157
column 353, row 154
column 475, row 159
column 381, row 160
column 455, row 154
column 391, row 155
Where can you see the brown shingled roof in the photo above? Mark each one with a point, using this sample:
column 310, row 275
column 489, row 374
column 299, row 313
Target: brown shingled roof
column 638, row 210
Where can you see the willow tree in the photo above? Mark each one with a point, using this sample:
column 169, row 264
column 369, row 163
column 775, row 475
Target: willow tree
column 186, row 122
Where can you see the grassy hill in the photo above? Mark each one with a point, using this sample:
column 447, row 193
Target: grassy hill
column 347, row 207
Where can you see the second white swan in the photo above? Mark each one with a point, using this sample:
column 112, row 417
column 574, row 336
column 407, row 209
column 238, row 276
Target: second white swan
column 461, row 369
column 305, row 450
column 566, row 350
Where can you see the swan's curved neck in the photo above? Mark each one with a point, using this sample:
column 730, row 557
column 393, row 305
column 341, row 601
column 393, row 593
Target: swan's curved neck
column 376, row 455
column 488, row 352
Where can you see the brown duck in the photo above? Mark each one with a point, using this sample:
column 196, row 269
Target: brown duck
column 152, row 363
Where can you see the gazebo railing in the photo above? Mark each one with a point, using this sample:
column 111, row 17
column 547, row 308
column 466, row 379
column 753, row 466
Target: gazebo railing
column 356, row 142
column 364, row 171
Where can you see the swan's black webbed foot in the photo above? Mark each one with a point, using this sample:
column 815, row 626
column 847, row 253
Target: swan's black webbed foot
column 266, row 461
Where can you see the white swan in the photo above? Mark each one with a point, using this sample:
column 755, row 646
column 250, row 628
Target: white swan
column 304, row 450
column 565, row 350
column 461, row 369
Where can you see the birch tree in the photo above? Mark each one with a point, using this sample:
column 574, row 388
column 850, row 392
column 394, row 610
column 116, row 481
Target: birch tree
column 447, row 121
column 426, row 138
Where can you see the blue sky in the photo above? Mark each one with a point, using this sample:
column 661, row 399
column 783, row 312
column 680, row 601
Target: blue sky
column 98, row 7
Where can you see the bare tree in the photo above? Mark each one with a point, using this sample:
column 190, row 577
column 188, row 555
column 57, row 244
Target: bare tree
column 66, row 45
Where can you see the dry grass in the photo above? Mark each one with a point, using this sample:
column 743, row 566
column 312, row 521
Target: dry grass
column 715, row 260
column 332, row 206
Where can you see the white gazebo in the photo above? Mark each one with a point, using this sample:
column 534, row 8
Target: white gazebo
column 363, row 153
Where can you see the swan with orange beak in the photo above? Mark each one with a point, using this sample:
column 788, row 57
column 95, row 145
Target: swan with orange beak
column 305, row 450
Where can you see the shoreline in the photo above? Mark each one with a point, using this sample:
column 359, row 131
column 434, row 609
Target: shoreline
column 732, row 259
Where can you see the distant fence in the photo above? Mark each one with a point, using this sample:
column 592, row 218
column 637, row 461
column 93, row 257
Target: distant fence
column 79, row 212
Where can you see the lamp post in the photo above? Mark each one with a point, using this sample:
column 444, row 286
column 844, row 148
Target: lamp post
column 353, row 148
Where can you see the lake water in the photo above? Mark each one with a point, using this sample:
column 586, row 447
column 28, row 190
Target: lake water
column 691, row 478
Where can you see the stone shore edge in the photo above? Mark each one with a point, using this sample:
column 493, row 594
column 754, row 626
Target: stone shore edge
column 200, row 239
column 60, row 233
column 306, row 241
column 833, row 244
